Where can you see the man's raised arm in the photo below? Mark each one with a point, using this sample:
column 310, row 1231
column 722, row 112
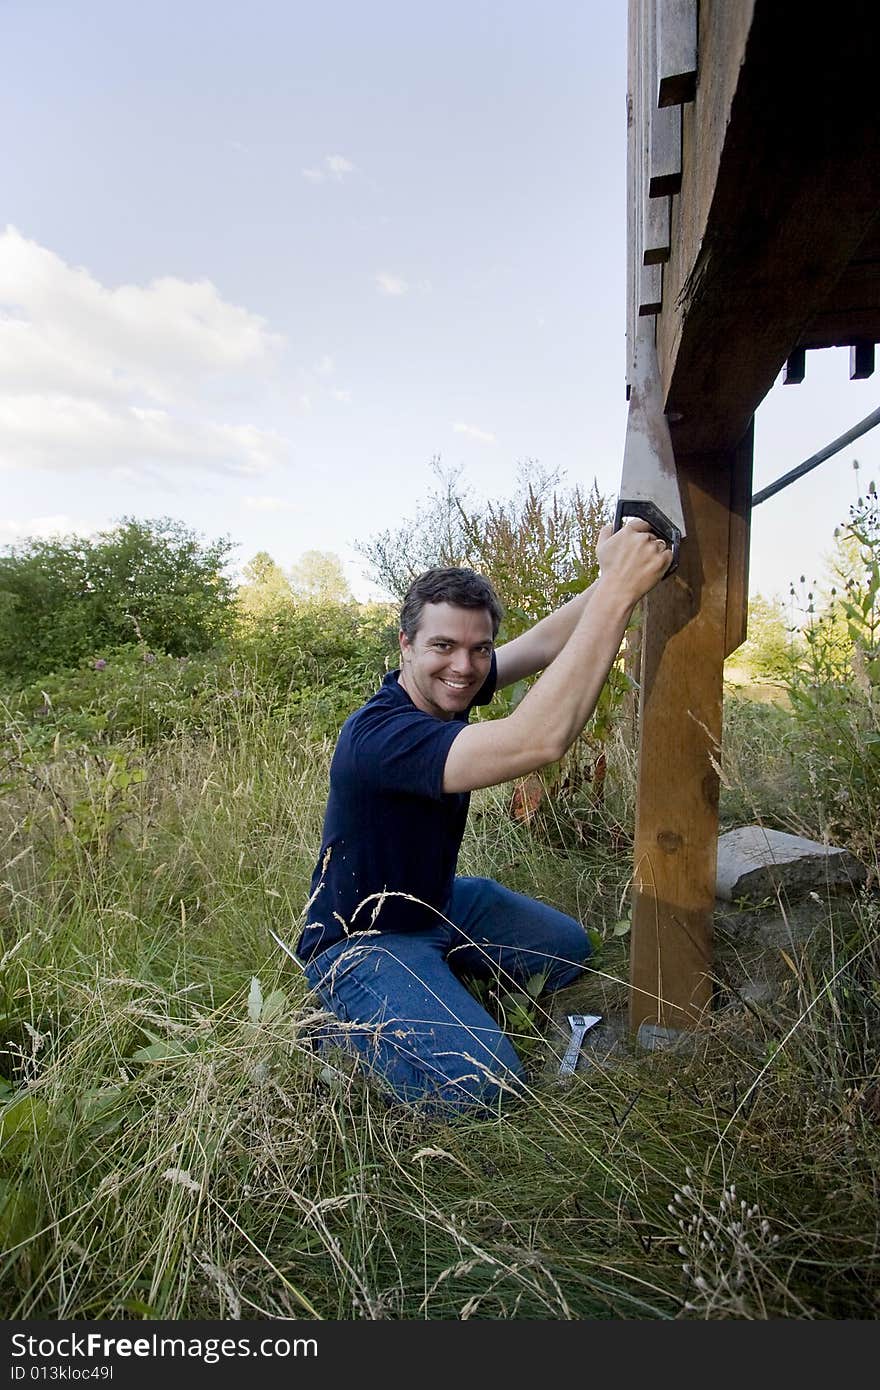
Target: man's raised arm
column 550, row 717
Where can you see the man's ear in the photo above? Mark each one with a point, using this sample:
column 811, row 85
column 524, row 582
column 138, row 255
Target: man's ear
column 404, row 642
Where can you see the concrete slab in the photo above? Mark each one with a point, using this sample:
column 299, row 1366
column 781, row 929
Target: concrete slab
column 754, row 862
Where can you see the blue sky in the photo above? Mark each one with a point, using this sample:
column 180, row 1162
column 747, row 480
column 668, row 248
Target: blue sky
column 260, row 264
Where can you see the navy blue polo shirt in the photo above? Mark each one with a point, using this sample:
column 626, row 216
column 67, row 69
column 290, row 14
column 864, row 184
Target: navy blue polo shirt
column 389, row 827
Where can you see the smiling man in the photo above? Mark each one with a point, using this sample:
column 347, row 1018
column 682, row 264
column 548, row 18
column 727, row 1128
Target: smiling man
column 391, row 931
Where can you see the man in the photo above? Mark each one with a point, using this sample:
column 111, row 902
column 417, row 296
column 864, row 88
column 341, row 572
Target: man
column 390, row 930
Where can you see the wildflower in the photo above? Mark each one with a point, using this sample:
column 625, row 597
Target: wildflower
column 99, row 664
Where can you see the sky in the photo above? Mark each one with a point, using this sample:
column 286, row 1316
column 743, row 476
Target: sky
column 261, row 264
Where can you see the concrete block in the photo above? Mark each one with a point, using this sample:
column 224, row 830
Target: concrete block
column 654, row 1037
column 754, row 862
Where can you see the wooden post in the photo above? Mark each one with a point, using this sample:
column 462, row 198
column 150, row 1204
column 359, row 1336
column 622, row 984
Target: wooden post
column 687, row 629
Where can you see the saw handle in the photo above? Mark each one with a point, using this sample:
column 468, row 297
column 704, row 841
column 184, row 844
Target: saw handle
column 658, row 522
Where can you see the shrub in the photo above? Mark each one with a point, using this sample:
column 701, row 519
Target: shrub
column 62, row 599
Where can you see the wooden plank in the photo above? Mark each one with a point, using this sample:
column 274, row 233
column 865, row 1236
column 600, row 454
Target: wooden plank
column 861, row 361
column 765, row 226
column 656, row 240
column 655, row 211
column 665, row 165
column 851, row 312
column 680, row 737
column 795, row 368
column 737, row 625
column 841, row 329
column 650, row 289
column 648, row 219
column 663, row 125
column 676, row 51
column 634, row 219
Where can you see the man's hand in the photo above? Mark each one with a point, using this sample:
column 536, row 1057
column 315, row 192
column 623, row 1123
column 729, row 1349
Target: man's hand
column 632, row 559
column 550, row 717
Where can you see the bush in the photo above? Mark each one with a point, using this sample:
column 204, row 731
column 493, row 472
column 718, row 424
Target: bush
column 835, row 689
column 326, row 658
column 63, row 599
column 128, row 693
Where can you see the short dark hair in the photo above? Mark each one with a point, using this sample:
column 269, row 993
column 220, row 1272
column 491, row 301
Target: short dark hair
column 462, row 587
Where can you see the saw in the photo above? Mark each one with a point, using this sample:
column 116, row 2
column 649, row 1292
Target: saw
column 649, row 481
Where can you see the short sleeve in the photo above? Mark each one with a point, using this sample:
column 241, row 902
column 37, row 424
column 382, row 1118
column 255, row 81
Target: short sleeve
column 404, row 752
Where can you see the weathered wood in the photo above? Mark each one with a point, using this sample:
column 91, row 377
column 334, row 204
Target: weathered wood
column 736, row 628
column 795, row 368
column 664, row 125
column 648, row 219
column 684, row 637
column 650, row 289
column 861, row 361
column 778, row 192
column 665, row 169
column 655, row 211
column 656, row 241
column 634, row 219
column 676, row 51
column 851, row 312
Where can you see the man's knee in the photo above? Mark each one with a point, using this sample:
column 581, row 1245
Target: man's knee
column 441, row 1072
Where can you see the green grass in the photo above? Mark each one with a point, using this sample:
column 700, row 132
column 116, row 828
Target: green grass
column 173, row 1148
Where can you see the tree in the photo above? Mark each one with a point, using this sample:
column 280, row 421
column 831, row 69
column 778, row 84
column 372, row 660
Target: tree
column 434, row 536
column 64, row 599
column 537, row 547
column 318, row 577
column 266, row 590
column 770, row 647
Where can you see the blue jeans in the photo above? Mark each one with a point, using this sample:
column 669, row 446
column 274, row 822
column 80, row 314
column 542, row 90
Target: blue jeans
column 407, row 1013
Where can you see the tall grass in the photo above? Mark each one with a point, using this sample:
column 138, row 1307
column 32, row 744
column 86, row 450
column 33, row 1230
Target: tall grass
column 174, row 1147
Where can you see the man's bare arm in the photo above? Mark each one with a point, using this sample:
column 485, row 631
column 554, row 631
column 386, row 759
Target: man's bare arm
column 555, row 710
column 533, row 650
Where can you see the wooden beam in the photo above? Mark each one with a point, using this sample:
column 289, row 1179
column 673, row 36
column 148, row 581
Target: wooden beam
column 851, row 313
column 656, row 241
column 665, row 167
column 781, row 182
column 650, row 289
column 737, row 624
column 861, row 361
column 686, row 624
column 664, row 124
column 676, row 51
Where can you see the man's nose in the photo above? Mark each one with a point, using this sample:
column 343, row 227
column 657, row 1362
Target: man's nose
column 463, row 662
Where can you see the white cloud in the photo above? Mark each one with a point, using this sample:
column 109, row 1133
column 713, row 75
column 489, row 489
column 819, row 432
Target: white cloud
column 391, row 284
column 43, row 527
column 268, row 504
column 91, row 376
column 335, row 167
column 344, row 396
column 473, row 433
column 325, row 367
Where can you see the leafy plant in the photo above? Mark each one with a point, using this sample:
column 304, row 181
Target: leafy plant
column 157, row 581
column 835, row 687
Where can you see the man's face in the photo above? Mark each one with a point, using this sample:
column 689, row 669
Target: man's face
column 448, row 659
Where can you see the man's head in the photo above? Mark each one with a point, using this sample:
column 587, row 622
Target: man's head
column 448, row 625
column 463, row 588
